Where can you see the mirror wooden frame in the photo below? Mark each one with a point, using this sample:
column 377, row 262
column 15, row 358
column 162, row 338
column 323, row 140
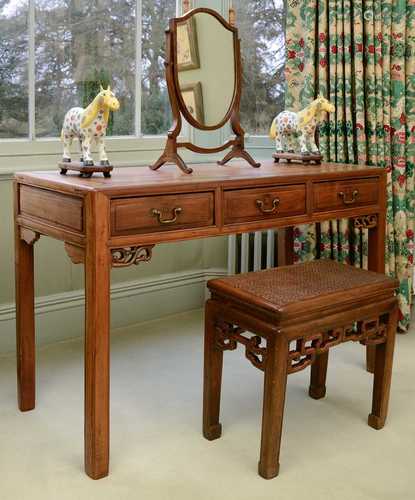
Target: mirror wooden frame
column 178, row 106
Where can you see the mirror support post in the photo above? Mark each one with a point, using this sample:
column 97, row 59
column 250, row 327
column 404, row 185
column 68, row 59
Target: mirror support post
column 170, row 154
column 238, row 150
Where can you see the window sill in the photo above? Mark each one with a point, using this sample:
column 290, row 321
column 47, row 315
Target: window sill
column 22, row 154
column 258, row 142
column 44, row 154
column 53, row 146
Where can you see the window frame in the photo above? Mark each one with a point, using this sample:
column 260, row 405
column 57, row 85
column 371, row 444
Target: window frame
column 34, row 153
column 257, row 142
column 31, row 148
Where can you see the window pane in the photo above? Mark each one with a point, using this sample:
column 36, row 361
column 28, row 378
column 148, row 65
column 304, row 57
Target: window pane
column 261, row 29
column 155, row 114
column 13, row 69
column 80, row 44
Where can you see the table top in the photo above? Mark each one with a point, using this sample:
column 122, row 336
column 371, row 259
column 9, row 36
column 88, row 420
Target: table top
column 140, row 178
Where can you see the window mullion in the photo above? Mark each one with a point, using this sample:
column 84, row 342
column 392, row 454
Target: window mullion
column 31, row 70
column 138, row 67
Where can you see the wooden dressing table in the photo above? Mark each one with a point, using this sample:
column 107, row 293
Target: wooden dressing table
column 115, row 222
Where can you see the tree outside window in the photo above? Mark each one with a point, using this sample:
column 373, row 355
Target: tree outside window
column 261, row 29
column 54, row 54
column 79, row 45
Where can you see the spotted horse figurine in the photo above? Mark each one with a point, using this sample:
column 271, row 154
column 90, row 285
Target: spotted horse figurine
column 294, row 133
column 88, row 125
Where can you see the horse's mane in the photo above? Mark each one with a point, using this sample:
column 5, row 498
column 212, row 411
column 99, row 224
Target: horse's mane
column 90, row 112
column 307, row 114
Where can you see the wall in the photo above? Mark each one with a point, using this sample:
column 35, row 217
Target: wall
column 216, row 74
column 174, row 281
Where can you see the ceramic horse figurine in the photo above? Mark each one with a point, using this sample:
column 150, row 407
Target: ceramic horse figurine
column 290, row 128
column 89, row 124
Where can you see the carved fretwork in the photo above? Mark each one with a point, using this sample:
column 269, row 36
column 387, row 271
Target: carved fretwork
column 366, row 222
column 29, row 236
column 124, row 257
column 367, row 332
column 75, row 253
column 253, row 350
column 227, row 339
column 225, row 336
column 375, row 332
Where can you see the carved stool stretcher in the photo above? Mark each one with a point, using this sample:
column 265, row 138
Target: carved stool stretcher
column 294, row 315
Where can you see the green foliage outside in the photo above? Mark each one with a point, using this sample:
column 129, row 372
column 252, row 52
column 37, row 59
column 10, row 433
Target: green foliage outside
column 261, row 29
column 80, row 45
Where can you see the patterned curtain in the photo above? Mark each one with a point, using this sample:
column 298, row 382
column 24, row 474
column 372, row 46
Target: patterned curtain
column 360, row 54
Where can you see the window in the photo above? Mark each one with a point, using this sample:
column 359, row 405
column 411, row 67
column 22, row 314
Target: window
column 13, row 70
column 261, row 29
column 55, row 53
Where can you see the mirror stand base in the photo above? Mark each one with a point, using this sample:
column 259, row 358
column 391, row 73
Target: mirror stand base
column 171, row 158
column 239, row 152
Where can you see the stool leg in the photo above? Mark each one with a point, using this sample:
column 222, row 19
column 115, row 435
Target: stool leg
column 212, row 377
column 317, row 388
column 383, row 375
column 275, row 382
column 370, row 358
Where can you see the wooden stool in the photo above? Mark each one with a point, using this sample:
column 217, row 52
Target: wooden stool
column 296, row 314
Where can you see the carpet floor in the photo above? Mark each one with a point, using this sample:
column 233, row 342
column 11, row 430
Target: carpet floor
column 157, row 450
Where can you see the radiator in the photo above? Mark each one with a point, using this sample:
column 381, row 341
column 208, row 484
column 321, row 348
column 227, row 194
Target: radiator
column 252, row 251
column 259, row 250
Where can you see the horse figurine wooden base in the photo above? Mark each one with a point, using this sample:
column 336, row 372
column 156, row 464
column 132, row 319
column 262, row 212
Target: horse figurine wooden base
column 88, row 125
column 294, row 133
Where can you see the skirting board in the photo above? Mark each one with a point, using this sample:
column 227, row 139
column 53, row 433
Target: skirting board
column 61, row 316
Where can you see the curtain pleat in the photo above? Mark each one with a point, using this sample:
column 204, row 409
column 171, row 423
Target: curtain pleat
column 360, row 54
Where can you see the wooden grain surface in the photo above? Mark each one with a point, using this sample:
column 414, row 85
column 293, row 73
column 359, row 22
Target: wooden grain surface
column 289, row 318
column 242, row 205
column 136, row 215
column 338, row 194
column 42, row 203
column 97, row 216
column 140, row 179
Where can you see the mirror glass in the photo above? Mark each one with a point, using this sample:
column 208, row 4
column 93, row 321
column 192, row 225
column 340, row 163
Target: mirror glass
column 205, row 65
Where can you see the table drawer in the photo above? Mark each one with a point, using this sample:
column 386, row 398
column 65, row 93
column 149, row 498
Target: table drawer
column 161, row 213
column 345, row 194
column 243, row 205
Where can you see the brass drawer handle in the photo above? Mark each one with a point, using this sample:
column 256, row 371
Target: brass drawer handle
column 157, row 213
column 343, row 196
column 275, row 203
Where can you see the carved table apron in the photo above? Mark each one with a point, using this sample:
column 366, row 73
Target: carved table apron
column 116, row 222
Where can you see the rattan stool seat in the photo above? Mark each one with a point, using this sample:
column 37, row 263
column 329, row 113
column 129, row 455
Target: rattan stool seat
column 298, row 288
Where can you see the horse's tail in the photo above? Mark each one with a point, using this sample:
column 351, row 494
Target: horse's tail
column 273, row 130
column 62, row 135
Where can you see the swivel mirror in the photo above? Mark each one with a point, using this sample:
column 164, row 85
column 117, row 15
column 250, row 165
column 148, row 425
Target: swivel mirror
column 204, row 76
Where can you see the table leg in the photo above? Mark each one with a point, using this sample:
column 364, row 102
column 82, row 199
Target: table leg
column 97, row 328
column 212, row 377
column 25, row 323
column 376, row 262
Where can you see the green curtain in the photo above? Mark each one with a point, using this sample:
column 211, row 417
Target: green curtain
column 360, row 54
